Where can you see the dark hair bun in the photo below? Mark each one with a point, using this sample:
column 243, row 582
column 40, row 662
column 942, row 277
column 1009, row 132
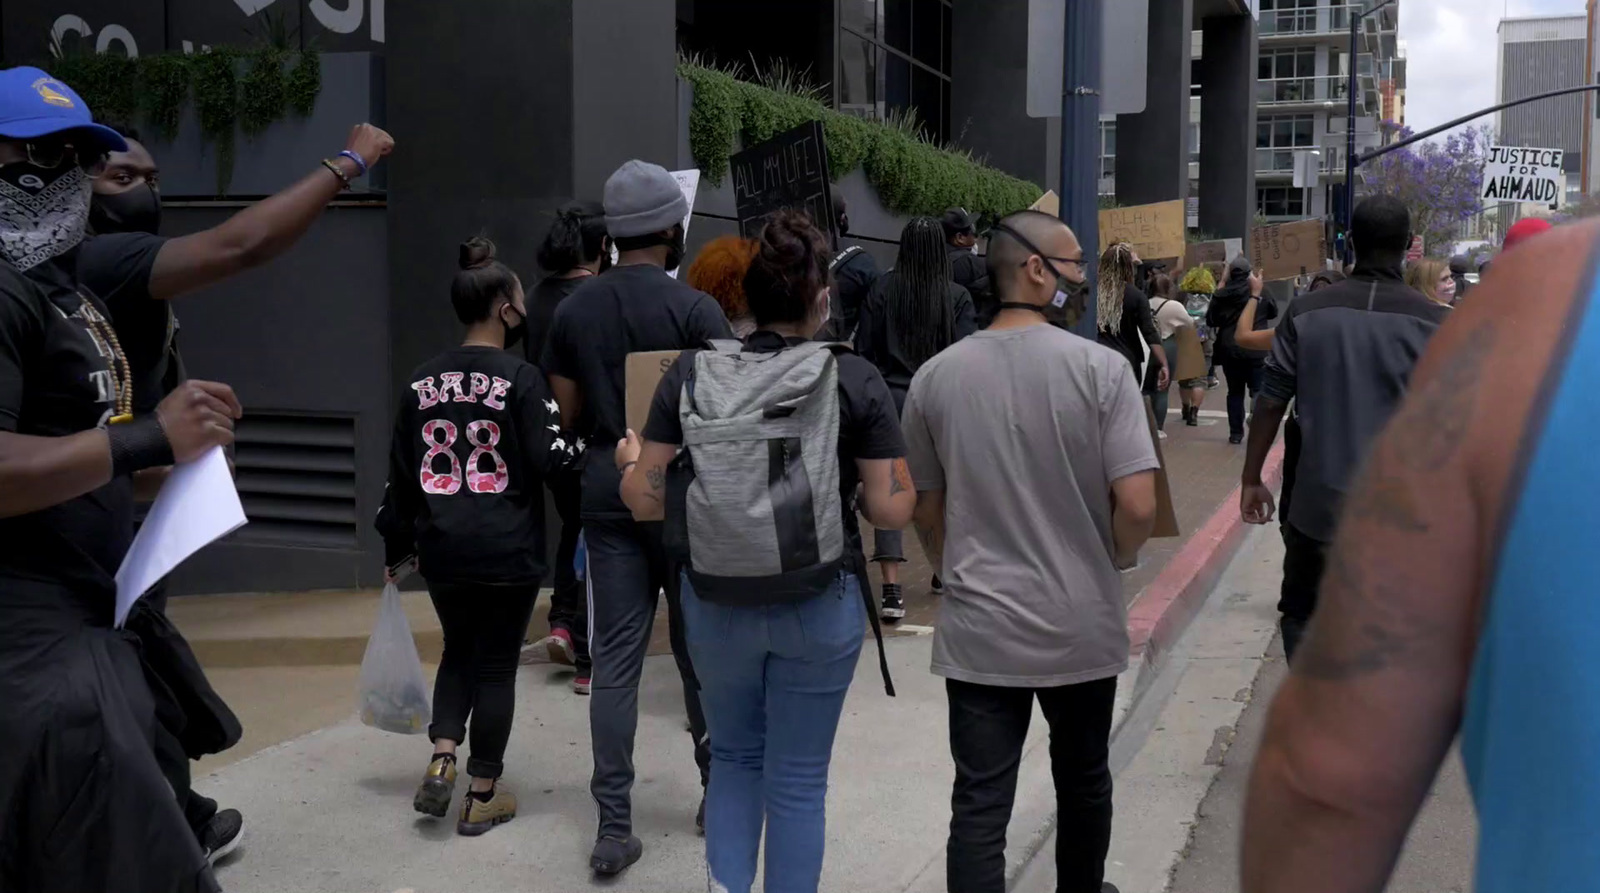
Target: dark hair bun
column 790, row 267
column 476, row 252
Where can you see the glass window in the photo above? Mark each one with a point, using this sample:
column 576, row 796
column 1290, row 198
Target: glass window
column 1302, row 130
column 896, row 81
column 1264, row 134
column 926, row 41
column 1108, row 138
column 896, row 25
column 945, row 57
column 925, row 97
column 1305, row 63
column 858, row 76
column 860, row 16
column 947, row 125
column 1264, row 67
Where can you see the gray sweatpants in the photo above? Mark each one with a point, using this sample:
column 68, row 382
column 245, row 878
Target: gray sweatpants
column 627, row 569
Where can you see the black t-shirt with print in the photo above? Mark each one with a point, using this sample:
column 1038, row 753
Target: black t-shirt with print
column 869, row 425
column 56, row 379
column 116, row 269
column 625, row 310
column 476, row 434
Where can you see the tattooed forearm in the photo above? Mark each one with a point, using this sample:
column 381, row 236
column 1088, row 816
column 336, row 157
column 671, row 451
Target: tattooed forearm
column 1367, row 625
column 1387, row 501
column 656, row 477
column 1433, row 423
column 899, row 477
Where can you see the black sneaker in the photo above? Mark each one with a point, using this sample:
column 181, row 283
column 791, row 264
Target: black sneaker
column 613, row 855
column 894, row 607
column 222, row 834
column 1236, row 438
column 1191, row 416
column 938, row 585
column 700, row 817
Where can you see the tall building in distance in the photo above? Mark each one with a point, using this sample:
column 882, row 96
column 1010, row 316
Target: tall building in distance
column 1537, row 55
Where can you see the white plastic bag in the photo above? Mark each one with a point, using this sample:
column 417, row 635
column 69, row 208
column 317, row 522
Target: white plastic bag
column 394, row 692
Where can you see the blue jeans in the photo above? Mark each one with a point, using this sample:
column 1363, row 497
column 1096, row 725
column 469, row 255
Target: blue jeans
column 772, row 681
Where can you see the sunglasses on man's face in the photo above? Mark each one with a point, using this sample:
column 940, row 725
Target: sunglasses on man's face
column 56, row 154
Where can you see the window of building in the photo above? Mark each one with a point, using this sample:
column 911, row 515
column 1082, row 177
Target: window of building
column 1108, row 157
column 894, row 56
column 1280, row 201
column 1277, row 136
column 1298, row 62
column 1288, row 16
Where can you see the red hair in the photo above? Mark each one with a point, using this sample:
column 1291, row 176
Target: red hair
column 719, row 272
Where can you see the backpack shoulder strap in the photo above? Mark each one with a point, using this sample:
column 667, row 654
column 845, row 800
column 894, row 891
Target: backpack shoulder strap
column 725, row 345
column 844, row 256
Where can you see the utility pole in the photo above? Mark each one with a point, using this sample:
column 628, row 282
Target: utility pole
column 1080, row 140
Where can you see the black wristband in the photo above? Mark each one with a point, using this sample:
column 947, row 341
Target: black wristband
column 137, row 445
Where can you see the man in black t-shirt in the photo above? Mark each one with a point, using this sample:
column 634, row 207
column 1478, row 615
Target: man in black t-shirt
column 633, row 307
column 854, row 271
column 967, row 268
column 137, row 273
column 83, row 802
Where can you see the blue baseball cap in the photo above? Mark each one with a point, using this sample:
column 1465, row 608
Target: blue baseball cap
column 34, row 104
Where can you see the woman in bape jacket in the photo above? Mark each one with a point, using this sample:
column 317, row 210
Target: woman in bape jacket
column 476, row 433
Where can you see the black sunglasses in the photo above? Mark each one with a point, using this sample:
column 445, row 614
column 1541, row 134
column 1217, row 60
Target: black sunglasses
column 55, row 154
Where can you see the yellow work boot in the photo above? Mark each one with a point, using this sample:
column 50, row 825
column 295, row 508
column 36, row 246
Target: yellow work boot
column 438, row 784
column 478, row 816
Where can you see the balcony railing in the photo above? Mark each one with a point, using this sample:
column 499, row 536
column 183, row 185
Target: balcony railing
column 1305, row 22
column 1301, row 91
column 1281, row 160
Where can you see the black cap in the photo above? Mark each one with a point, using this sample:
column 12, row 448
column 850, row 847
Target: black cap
column 958, row 222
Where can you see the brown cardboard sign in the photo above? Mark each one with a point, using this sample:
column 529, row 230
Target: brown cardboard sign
column 1166, row 516
column 1049, row 203
column 1285, row 250
column 643, row 373
column 1190, row 363
column 1156, row 230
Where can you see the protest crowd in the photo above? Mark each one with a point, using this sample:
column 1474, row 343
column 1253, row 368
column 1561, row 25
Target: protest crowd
column 801, row 391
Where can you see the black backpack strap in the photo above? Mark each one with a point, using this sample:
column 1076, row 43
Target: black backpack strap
column 877, row 630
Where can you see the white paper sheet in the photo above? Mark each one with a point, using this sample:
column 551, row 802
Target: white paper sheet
column 689, row 182
column 197, row 506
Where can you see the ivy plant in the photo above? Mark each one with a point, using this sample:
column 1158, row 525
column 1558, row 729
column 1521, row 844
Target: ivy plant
column 910, row 174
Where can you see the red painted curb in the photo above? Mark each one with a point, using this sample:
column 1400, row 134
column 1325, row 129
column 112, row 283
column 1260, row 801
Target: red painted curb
column 1162, row 612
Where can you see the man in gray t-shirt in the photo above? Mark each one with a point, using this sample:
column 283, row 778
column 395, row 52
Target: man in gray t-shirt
column 1034, row 468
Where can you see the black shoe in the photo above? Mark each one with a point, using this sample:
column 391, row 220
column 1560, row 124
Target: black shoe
column 938, row 585
column 1191, row 416
column 1236, row 438
column 700, row 817
column 894, row 607
column 222, row 835
column 612, row 855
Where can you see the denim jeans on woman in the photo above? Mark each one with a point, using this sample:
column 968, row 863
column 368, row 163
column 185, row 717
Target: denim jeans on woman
column 773, row 681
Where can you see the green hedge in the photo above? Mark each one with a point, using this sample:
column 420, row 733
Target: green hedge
column 910, row 175
column 253, row 88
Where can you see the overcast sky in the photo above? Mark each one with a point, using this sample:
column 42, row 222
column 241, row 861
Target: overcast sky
column 1450, row 46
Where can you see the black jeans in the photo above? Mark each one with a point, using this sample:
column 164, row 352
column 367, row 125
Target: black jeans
column 569, row 602
column 483, row 629
column 1242, row 372
column 628, row 569
column 1304, row 560
column 988, row 726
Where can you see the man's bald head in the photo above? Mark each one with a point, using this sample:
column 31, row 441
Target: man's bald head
column 1017, row 278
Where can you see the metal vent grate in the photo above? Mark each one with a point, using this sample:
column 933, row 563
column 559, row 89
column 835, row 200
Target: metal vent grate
column 297, row 478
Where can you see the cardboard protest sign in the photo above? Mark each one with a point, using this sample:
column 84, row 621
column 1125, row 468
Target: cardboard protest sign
column 642, row 373
column 1049, row 203
column 1214, row 251
column 1286, row 250
column 689, row 184
column 1166, row 516
column 788, row 171
column 1514, row 174
column 1191, row 359
column 1156, row 231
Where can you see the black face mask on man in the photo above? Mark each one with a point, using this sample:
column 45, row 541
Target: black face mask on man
column 676, row 249
column 43, row 212
column 134, row 210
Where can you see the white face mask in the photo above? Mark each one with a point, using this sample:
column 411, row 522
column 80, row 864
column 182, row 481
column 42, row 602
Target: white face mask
column 827, row 312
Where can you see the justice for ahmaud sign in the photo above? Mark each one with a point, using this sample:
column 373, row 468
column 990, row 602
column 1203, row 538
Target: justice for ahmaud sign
column 1514, row 174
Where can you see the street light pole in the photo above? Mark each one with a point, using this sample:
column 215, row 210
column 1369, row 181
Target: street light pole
column 1080, row 136
column 1356, row 18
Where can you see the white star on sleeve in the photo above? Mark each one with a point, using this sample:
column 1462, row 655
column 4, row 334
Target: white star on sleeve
column 555, row 428
column 552, row 406
column 580, row 446
column 558, row 444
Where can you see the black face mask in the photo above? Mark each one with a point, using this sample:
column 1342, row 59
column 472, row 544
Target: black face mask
column 514, row 334
column 675, row 250
column 137, row 210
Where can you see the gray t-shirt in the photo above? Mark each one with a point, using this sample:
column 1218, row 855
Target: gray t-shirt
column 1024, row 430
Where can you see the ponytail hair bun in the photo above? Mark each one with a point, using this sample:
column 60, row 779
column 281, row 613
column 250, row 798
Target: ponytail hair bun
column 576, row 237
column 476, row 252
column 789, row 268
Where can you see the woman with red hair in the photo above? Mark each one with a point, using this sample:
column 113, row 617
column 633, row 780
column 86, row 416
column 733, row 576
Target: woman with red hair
column 719, row 272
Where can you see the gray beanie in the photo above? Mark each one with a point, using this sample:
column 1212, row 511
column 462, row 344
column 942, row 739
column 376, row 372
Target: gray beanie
column 642, row 198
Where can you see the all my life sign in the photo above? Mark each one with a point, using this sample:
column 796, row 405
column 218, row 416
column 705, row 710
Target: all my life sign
column 1513, row 174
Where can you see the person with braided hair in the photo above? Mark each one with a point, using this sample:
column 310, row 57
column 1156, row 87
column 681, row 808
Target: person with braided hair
column 1122, row 313
column 913, row 311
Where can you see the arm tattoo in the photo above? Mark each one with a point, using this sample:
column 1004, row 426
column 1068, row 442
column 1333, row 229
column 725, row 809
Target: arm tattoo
column 1366, row 625
column 656, row 477
column 899, row 477
column 1431, row 427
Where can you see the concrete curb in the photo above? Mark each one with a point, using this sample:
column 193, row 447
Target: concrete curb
column 1157, row 619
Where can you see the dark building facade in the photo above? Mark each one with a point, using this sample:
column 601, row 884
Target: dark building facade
column 503, row 109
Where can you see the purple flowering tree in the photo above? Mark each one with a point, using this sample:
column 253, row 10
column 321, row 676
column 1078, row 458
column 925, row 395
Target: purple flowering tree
column 1439, row 180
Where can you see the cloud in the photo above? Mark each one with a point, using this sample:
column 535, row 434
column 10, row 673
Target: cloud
column 1450, row 52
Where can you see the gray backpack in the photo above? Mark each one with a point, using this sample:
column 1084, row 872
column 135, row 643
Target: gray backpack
column 761, row 512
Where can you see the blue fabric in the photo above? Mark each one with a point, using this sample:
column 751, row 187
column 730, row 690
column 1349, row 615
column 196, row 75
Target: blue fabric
column 773, row 682
column 1531, row 735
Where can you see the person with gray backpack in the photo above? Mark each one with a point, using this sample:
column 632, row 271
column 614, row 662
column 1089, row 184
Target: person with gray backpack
column 756, row 456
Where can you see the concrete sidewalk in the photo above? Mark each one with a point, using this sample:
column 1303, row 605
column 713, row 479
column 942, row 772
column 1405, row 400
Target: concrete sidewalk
column 331, row 811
